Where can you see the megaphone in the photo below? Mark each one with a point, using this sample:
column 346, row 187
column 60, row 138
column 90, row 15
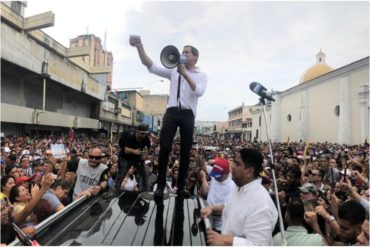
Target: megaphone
column 171, row 57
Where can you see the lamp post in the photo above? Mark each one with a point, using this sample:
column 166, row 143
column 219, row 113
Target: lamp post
column 44, row 74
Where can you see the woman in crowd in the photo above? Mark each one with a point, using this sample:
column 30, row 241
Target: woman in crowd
column 129, row 182
column 7, row 183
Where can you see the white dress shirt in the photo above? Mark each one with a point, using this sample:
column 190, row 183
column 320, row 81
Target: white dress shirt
column 188, row 97
column 250, row 215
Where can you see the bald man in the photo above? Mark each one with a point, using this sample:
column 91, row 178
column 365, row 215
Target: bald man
column 91, row 174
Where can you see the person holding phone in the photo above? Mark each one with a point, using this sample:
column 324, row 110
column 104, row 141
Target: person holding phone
column 132, row 144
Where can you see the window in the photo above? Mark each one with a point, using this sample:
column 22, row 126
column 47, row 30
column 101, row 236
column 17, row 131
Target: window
column 289, row 117
column 259, row 121
column 16, row 6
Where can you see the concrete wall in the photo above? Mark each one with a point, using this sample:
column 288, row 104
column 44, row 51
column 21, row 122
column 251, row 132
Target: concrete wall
column 357, row 79
column 155, row 104
column 290, row 105
column 258, row 123
column 323, row 123
column 18, row 48
column 24, row 89
column 24, row 115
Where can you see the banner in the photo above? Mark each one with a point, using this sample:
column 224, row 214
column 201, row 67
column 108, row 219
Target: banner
column 58, row 150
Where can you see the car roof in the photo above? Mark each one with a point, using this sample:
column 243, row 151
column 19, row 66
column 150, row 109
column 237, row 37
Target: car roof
column 127, row 218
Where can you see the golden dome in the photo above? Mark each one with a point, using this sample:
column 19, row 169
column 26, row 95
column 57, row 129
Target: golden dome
column 320, row 68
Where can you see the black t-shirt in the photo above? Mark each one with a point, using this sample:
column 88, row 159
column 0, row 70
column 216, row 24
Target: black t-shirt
column 130, row 140
column 7, row 233
column 72, row 165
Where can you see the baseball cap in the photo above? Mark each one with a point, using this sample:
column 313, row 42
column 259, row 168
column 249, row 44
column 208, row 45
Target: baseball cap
column 22, row 179
column 308, row 188
column 220, row 167
column 143, row 128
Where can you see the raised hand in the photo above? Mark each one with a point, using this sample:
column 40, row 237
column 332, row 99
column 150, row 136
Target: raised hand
column 135, row 40
column 47, row 180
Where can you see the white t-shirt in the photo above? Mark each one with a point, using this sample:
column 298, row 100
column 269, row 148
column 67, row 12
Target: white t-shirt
column 218, row 194
column 130, row 184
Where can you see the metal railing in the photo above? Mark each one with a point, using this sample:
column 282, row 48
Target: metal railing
column 53, row 218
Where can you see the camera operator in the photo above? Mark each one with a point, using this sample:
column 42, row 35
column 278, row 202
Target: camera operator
column 132, row 144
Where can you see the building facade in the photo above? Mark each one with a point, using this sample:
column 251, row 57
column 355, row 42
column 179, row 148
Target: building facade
column 43, row 88
column 155, row 105
column 327, row 105
column 99, row 61
column 240, row 123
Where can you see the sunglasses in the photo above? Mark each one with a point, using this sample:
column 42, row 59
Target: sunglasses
column 92, row 157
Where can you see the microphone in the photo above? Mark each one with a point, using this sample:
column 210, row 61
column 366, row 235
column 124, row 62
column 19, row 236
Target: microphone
column 260, row 91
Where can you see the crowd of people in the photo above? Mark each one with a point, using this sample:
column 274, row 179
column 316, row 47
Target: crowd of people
column 323, row 188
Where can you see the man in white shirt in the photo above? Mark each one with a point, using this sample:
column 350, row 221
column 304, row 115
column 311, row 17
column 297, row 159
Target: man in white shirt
column 249, row 216
column 188, row 83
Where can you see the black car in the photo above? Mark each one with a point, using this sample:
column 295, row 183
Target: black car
column 125, row 218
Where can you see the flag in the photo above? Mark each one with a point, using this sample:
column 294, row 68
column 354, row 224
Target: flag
column 305, row 150
column 111, row 139
column 71, row 134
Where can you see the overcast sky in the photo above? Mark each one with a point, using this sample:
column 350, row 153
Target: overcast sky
column 239, row 42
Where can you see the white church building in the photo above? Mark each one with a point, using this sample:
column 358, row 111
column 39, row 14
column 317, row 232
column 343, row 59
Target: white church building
column 327, row 105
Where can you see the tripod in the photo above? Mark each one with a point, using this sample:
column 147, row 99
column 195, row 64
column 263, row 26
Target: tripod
column 272, row 166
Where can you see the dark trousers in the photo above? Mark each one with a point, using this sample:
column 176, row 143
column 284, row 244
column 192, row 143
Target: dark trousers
column 172, row 119
column 140, row 174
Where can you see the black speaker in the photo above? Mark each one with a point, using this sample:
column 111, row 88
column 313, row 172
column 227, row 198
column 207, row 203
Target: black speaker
column 171, row 57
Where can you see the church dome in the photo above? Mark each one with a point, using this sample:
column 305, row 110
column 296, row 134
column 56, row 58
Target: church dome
column 320, row 68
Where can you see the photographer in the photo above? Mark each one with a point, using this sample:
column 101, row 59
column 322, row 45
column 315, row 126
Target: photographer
column 132, row 145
